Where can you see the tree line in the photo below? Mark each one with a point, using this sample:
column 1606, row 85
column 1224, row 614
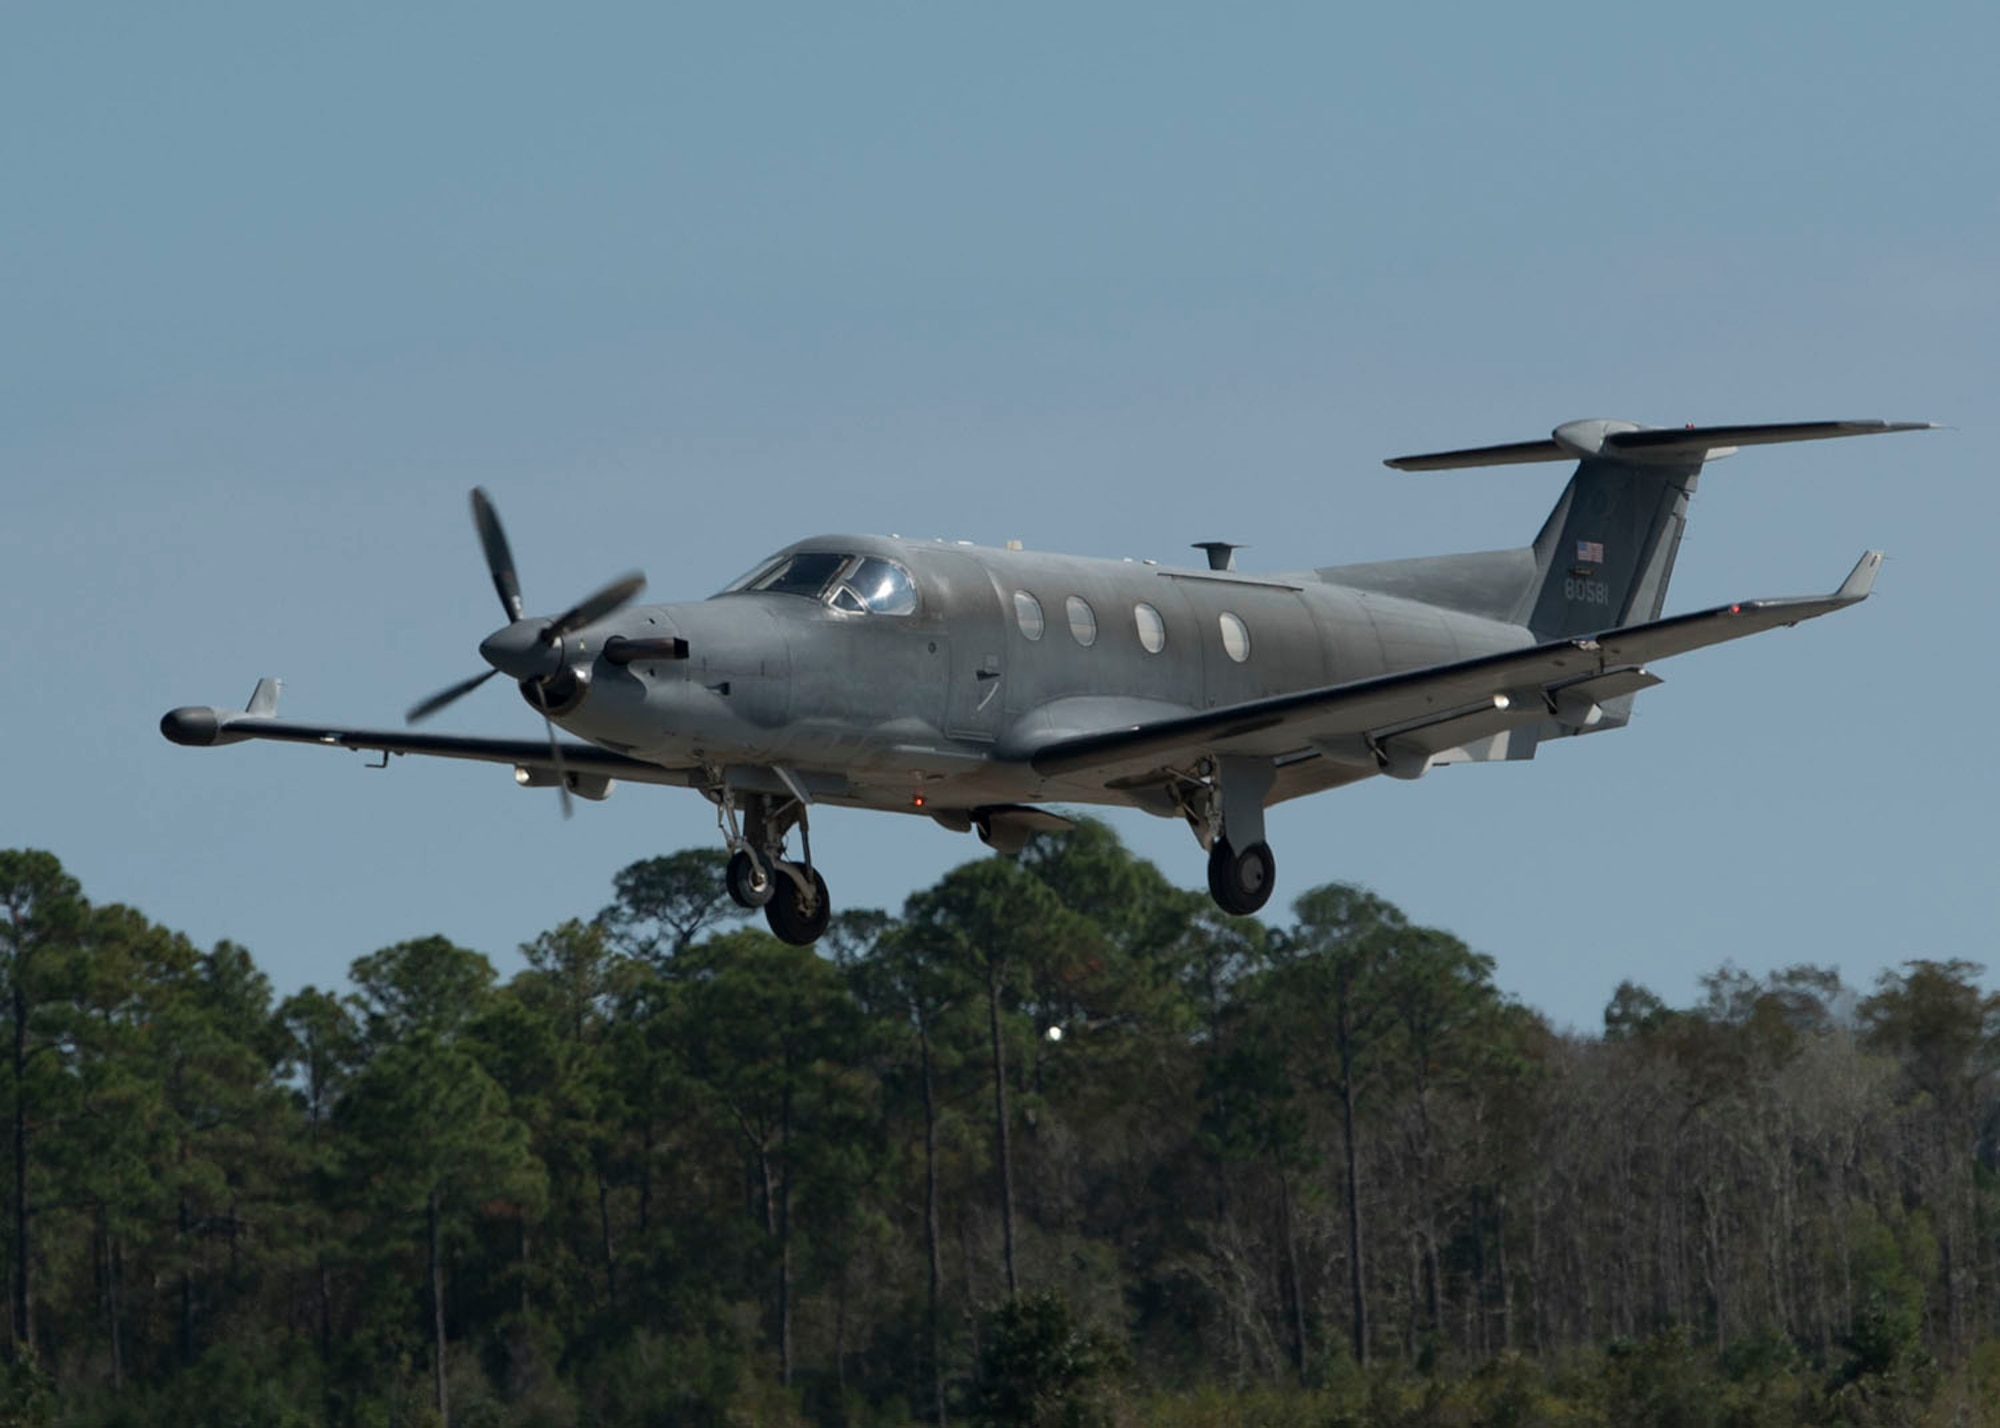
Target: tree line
column 1060, row 1143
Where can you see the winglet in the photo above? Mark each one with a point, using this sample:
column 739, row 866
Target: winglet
column 264, row 700
column 1861, row 579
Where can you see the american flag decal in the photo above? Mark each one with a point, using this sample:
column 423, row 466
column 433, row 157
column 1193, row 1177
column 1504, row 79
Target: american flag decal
column 1590, row 552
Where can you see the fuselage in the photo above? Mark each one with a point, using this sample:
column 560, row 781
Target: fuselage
column 930, row 699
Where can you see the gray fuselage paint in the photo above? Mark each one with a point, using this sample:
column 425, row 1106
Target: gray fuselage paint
column 895, row 703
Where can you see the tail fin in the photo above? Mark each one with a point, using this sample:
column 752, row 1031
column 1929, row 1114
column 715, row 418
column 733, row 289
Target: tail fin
column 1606, row 552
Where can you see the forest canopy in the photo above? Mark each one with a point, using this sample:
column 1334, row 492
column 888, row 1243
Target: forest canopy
column 1058, row 1143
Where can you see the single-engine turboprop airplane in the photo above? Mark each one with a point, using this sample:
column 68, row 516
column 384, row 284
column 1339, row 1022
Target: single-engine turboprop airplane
column 975, row 685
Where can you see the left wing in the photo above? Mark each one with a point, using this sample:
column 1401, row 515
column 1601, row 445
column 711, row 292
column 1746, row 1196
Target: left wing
column 201, row 727
column 1395, row 722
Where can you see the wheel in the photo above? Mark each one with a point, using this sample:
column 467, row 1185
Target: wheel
column 1241, row 883
column 748, row 884
column 790, row 922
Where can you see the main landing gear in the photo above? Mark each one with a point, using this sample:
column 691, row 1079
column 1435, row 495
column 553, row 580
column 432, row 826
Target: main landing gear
column 793, row 895
column 1241, row 883
column 1223, row 801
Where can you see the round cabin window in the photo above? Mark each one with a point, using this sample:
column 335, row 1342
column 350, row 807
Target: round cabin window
column 1152, row 629
column 1082, row 620
column 1028, row 614
column 1235, row 637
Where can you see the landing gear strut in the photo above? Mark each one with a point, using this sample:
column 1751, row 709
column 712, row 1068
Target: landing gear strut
column 792, row 894
column 1223, row 801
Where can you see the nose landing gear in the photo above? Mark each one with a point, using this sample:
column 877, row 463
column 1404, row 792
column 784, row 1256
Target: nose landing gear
column 799, row 912
column 748, row 883
column 792, row 894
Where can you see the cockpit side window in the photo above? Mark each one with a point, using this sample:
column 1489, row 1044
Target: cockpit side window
column 882, row 586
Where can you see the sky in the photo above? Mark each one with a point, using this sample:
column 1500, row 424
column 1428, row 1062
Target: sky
column 679, row 285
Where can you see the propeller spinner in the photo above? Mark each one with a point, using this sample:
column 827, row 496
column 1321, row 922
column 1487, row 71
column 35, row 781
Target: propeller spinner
column 530, row 651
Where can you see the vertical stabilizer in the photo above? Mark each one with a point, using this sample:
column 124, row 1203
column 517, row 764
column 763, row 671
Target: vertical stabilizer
column 1606, row 552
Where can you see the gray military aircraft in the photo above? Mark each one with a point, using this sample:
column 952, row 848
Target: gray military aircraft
column 976, row 686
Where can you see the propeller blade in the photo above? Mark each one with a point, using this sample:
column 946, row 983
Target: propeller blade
column 420, row 712
column 499, row 559
column 555, row 750
column 562, row 776
column 595, row 607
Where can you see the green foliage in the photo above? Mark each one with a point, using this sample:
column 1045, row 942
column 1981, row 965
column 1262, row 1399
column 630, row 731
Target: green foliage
column 1040, row 1368
column 244, row 1384
column 27, row 1395
column 1661, row 1380
column 427, row 988
column 664, row 904
column 674, row 1171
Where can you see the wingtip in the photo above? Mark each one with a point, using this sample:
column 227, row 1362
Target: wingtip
column 1861, row 579
column 264, row 698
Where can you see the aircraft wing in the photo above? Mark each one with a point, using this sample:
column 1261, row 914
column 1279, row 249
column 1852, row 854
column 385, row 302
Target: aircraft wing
column 201, row 726
column 1410, row 715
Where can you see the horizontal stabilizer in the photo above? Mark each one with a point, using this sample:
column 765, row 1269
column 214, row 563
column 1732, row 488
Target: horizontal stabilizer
column 1514, row 453
column 1627, row 441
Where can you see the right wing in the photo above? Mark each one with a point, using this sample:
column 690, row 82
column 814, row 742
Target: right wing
column 1397, row 721
column 200, row 727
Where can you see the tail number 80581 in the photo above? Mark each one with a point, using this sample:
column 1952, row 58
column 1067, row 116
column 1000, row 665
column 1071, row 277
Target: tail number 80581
column 1586, row 592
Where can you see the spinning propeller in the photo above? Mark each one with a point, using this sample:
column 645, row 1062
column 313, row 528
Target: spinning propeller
column 529, row 650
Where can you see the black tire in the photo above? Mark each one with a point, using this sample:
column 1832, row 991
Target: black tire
column 1241, row 883
column 1219, row 859
column 790, row 922
column 748, row 885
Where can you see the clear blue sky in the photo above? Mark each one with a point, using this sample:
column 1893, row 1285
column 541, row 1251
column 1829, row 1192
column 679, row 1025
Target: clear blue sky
column 278, row 284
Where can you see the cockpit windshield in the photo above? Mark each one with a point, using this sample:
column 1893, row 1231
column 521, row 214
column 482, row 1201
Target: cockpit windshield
column 857, row 584
column 807, row 573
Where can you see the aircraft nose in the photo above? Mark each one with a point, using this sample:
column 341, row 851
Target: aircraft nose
column 519, row 650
